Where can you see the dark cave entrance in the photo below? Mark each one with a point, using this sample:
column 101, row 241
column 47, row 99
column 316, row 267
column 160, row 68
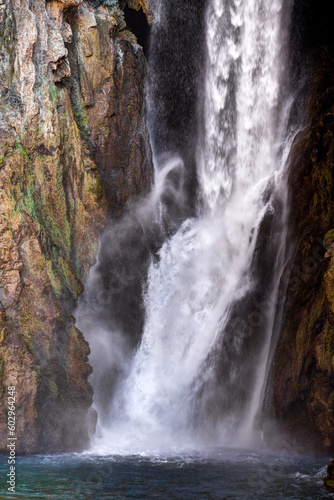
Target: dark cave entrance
column 136, row 21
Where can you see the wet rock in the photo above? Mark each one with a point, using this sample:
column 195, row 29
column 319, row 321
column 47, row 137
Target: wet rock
column 111, row 72
column 302, row 375
column 65, row 69
column 329, row 479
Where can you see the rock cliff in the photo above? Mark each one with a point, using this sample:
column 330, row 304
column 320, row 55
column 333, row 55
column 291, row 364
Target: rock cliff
column 74, row 148
column 302, row 376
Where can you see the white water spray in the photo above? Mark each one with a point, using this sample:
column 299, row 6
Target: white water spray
column 206, row 266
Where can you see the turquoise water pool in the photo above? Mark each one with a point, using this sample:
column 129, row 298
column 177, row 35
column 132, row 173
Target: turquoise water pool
column 222, row 474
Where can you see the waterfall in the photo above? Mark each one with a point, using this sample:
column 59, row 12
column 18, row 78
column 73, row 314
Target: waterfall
column 195, row 375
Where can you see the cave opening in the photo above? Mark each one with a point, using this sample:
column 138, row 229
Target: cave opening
column 136, row 21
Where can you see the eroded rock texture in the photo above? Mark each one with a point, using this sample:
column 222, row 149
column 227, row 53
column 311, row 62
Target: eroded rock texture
column 107, row 92
column 73, row 145
column 303, row 370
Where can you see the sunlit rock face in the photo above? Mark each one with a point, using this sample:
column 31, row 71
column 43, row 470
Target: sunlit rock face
column 73, row 148
column 111, row 75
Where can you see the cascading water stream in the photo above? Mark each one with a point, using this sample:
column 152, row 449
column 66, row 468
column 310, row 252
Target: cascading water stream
column 197, row 375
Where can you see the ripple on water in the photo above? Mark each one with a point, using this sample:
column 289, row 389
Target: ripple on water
column 222, row 475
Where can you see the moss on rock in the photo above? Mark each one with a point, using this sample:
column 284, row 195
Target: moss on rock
column 57, row 107
column 303, row 363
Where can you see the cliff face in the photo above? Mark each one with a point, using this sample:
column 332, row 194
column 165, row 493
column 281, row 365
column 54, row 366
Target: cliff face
column 303, row 382
column 73, row 146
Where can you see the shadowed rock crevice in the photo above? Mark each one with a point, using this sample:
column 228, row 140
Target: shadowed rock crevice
column 300, row 387
column 138, row 25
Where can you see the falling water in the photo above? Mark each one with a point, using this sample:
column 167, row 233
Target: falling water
column 197, row 375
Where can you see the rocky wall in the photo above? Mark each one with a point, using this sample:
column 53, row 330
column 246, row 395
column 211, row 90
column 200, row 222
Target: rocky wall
column 74, row 149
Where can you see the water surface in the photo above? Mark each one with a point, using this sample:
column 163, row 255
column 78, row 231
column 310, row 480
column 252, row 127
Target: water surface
column 219, row 474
